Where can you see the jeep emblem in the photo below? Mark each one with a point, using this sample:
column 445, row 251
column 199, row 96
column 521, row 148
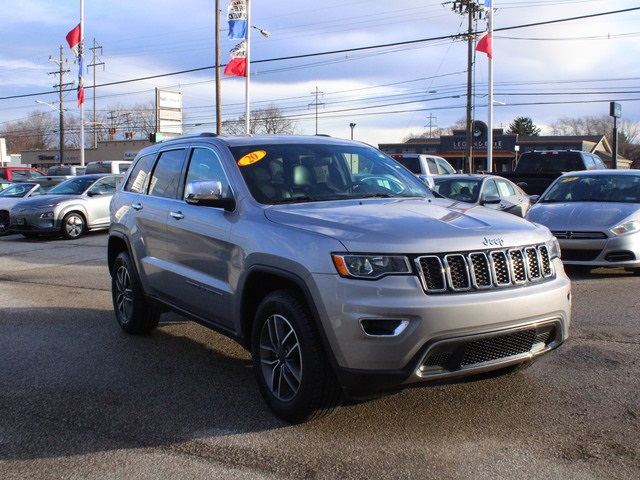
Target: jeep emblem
column 492, row 242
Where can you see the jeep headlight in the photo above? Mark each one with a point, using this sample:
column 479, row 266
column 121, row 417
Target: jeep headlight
column 553, row 247
column 370, row 266
column 48, row 214
column 630, row 226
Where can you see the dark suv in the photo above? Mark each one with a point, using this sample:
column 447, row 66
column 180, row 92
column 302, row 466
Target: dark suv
column 332, row 264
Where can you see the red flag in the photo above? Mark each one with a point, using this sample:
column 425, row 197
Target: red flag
column 73, row 38
column 237, row 67
column 485, row 45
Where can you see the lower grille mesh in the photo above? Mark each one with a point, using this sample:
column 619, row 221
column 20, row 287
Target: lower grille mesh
column 450, row 356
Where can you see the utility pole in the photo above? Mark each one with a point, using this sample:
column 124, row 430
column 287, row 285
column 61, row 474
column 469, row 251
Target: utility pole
column 61, row 86
column 96, row 62
column 316, row 103
column 431, row 124
column 472, row 9
column 217, row 59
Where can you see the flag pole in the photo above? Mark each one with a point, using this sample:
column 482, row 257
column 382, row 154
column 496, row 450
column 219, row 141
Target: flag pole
column 80, row 66
column 490, row 96
column 248, row 69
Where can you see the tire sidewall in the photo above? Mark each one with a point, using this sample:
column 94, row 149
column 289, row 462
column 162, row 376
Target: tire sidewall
column 143, row 317
column 65, row 221
column 289, row 306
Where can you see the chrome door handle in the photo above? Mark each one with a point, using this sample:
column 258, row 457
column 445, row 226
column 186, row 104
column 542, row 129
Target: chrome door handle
column 177, row 215
column 137, row 206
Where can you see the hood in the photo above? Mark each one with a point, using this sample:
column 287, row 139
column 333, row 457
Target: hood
column 49, row 200
column 409, row 225
column 581, row 215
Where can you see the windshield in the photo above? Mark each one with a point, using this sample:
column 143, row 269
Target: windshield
column 465, row 190
column 305, row 172
column 596, row 188
column 73, row 186
column 18, row 190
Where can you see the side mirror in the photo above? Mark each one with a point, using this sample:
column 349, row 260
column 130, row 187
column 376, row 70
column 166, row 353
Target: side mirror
column 208, row 193
column 491, row 200
column 534, row 198
column 428, row 180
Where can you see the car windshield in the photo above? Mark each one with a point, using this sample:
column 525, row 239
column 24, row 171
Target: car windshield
column 292, row 173
column 596, row 188
column 18, row 190
column 465, row 190
column 73, row 186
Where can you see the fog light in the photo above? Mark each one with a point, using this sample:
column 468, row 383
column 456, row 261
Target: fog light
column 383, row 327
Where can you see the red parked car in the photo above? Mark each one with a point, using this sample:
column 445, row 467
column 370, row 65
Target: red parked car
column 20, row 174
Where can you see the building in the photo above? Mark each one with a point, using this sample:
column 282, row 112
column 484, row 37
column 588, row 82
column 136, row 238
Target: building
column 506, row 147
column 108, row 150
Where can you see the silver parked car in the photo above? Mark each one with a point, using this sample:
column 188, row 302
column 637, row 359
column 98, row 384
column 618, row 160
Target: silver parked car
column 16, row 193
column 69, row 209
column 487, row 190
column 595, row 215
column 337, row 268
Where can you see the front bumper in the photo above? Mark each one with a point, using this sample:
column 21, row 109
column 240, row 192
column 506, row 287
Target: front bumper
column 425, row 337
column 32, row 222
column 623, row 251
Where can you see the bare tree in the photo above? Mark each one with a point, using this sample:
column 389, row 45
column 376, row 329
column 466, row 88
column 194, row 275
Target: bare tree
column 38, row 131
column 263, row 121
column 597, row 125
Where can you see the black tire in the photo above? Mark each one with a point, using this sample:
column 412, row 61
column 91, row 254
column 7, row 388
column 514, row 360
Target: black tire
column 73, row 226
column 133, row 312
column 4, row 223
column 291, row 368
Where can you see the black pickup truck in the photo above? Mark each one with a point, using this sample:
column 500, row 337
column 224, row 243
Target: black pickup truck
column 536, row 170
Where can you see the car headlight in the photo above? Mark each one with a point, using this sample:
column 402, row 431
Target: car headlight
column 46, row 215
column 630, row 226
column 370, row 266
column 553, row 247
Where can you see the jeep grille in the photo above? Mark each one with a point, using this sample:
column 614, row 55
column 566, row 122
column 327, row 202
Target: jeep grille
column 461, row 272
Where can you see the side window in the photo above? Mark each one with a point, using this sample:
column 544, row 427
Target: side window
column 444, row 168
column 599, row 163
column 505, row 189
column 490, row 190
column 139, row 179
column 105, row 185
column 589, row 163
column 205, row 165
column 165, row 177
column 433, row 168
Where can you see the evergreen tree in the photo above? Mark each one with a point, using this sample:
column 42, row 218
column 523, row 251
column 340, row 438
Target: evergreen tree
column 523, row 126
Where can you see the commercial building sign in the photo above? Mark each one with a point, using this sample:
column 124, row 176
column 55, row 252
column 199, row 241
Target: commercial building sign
column 168, row 112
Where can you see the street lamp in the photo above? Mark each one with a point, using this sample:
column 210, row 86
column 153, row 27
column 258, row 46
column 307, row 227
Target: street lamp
column 265, row 33
column 352, row 125
column 61, row 112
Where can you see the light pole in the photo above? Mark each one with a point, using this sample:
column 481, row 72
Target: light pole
column 352, row 125
column 61, row 112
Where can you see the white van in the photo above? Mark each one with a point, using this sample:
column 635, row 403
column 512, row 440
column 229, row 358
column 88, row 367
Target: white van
column 108, row 166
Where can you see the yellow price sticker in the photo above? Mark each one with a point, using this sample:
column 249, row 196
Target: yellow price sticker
column 252, row 157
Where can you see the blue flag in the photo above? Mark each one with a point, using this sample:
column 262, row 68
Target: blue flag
column 237, row 16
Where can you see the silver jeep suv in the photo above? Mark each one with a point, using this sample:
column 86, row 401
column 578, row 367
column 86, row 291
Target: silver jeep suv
column 332, row 264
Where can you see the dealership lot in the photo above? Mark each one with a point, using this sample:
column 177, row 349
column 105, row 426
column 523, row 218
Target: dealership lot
column 81, row 399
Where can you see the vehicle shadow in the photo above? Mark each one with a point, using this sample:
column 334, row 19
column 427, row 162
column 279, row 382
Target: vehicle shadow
column 585, row 273
column 74, row 383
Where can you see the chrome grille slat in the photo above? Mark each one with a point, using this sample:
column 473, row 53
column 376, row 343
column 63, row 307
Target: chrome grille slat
column 482, row 270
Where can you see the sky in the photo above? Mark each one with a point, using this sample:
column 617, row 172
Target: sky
column 397, row 69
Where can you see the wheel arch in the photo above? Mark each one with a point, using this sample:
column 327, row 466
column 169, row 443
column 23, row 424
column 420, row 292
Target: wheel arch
column 262, row 280
column 115, row 246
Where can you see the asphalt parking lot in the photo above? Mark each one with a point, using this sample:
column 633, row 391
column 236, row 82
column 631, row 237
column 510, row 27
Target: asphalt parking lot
column 81, row 399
